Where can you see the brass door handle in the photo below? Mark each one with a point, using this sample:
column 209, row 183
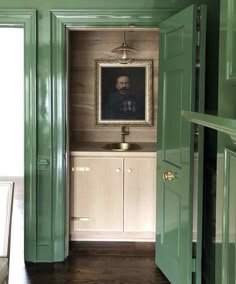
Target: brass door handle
column 168, row 176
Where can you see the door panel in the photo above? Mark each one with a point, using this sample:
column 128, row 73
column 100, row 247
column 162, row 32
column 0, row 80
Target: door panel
column 171, row 225
column 172, row 97
column 174, row 43
column 139, row 193
column 96, row 205
column 177, row 59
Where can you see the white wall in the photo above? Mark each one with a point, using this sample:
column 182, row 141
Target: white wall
column 11, row 101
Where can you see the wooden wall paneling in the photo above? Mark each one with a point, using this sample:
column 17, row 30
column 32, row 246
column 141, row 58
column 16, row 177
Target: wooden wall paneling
column 84, row 48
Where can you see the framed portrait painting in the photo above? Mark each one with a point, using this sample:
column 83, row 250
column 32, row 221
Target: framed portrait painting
column 124, row 92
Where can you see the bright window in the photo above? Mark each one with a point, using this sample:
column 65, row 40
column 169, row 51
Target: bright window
column 11, row 102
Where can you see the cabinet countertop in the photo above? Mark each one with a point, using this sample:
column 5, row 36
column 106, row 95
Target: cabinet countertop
column 96, row 149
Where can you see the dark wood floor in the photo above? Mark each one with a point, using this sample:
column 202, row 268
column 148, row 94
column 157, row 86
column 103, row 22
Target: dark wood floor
column 88, row 262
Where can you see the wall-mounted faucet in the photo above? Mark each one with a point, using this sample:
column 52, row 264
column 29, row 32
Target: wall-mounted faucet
column 124, row 131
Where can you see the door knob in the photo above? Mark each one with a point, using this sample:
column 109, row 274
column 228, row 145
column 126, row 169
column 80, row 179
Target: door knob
column 168, row 176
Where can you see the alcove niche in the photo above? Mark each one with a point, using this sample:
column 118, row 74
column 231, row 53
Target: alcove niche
column 84, row 47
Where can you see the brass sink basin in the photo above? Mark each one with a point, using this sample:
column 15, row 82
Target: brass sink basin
column 122, row 146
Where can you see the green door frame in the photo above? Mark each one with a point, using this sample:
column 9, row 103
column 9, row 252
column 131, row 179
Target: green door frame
column 62, row 20
column 26, row 19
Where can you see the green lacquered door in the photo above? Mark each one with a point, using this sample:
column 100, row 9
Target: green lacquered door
column 177, row 61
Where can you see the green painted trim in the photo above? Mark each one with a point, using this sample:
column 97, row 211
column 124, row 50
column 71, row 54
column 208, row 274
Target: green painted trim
column 59, row 110
column 230, row 40
column 228, row 154
column 113, row 18
column 201, row 108
column 61, row 20
column 30, row 137
column 221, row 124
column 27, row 19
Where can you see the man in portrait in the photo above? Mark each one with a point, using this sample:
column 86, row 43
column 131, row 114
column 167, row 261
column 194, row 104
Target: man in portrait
column 124, row 103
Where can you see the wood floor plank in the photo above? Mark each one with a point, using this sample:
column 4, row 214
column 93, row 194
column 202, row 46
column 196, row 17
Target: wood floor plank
column 88, row 262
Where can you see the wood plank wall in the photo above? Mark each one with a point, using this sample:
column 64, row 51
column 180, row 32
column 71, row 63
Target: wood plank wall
column 83, row 49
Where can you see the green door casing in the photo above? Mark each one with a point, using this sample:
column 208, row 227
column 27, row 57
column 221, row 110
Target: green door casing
column 177, row 61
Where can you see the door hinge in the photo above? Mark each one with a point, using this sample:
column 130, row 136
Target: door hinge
column 194, row 265
column 198, row 37
column 198, row 26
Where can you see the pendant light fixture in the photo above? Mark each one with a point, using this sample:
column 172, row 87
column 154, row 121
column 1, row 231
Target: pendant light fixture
column 123, row 51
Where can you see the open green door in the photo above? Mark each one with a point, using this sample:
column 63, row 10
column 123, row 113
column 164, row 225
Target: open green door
column 179, row 40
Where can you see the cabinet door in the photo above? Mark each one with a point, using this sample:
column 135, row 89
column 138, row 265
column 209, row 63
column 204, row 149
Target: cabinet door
column 97, row 194
column 139, row 194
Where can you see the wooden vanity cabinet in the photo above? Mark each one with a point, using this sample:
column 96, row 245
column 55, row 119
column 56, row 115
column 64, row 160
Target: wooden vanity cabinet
column 113, row 198
column 97, row 193
column 139, row 194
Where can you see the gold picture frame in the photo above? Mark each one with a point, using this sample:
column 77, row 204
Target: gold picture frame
column 123, row 93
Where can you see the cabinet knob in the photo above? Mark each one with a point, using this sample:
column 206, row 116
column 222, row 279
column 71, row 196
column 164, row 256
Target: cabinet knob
column 118, row 170
column 129, row 171
column 72, row 169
